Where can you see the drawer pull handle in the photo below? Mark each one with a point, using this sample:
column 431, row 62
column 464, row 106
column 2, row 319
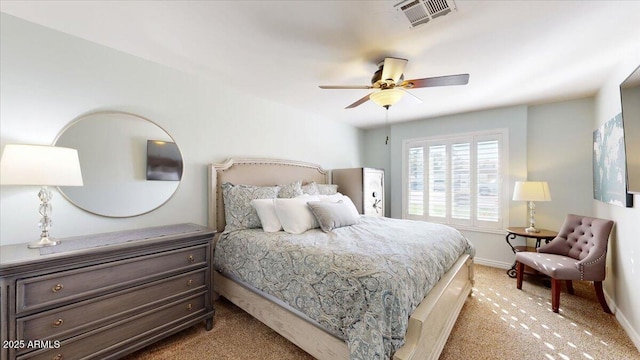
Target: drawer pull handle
column 57, row 288
column 189, row 307
column 189, row 282
column 191, row 259
column 58, row 322
column 57, row 357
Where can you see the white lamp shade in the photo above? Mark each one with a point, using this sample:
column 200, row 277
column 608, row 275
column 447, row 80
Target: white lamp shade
column 387, row 97
column 531, row 191
column 40, row 165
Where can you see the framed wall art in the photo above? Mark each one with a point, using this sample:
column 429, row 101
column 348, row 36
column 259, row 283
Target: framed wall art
column 609, row 164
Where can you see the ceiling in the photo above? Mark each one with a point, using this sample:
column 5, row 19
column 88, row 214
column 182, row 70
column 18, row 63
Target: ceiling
column 516, row 52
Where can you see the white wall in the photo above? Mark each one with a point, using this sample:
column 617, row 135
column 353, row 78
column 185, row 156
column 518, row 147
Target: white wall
column 48, row 78
column 623, row 277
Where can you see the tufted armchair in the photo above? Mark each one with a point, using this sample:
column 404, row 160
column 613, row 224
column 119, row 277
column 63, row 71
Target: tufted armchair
column 577, row 253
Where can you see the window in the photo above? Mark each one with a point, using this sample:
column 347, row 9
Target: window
column 457, row 180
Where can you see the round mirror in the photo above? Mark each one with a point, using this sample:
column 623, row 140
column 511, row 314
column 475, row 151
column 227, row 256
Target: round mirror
column 130, row 166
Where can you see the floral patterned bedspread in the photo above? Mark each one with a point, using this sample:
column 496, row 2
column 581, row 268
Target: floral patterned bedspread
column 359, row 282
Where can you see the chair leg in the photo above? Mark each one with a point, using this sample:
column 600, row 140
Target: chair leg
column 600, row 294
column 569, row 286
column 519, row 274
column 555, row 294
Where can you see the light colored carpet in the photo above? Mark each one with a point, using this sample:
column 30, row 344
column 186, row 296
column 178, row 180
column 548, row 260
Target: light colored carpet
column 502, row 322
column 497, row 322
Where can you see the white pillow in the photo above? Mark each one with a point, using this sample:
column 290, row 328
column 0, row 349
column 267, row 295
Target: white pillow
column 294, row 214
column 266, row 210
column 345, row 199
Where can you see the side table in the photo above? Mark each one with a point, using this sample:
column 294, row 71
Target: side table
column 513, row 232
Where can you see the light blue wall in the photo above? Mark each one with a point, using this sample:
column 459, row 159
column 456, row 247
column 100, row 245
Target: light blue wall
column 491, row 248
column 560, row 146
column 512, row 118
column 548, row 142
column 376, row 154
column 48, row 78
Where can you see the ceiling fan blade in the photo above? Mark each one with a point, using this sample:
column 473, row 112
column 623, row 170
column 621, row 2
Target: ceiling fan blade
column 460, row 79
column 393, row 69
column 344, row 87
column 359, row 102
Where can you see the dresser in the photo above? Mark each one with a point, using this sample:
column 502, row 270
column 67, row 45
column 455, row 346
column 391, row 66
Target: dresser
column 364, row 186
column 91, row 300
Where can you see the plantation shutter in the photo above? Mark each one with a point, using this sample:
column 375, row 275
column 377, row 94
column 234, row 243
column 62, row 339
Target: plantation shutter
column 456, row 180
column 415, row 166
column 437, row 181
column 461, row 181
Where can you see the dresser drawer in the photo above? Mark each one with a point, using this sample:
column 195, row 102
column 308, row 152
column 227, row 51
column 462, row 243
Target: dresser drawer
column 74, row 285
column 126, row 331
column 71, row 320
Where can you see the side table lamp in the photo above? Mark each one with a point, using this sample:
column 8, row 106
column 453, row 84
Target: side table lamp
column 42, row 166
column 531, row 191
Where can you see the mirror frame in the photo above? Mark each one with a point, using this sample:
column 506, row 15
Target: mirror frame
column 109, row 112
column 631, row 128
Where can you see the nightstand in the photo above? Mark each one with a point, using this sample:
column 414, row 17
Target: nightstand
column 513, row 232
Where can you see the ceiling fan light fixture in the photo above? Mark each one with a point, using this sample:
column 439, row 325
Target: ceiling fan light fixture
column 387, row 97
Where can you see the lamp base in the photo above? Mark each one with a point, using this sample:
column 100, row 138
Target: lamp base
column 531, row 229
column 44, row 242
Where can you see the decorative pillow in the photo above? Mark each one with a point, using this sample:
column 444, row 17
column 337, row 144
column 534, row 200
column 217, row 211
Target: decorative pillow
column 238, row 212
column 266, row 210
column 310, row 188
column 290, row 191
column 345, row 199
column 327, row 189
column 332, row 215
column 294, row 214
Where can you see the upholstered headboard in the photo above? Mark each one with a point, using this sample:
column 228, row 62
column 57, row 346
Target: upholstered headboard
column 259, row 172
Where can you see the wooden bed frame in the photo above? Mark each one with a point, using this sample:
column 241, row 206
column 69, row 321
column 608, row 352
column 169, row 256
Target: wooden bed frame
column 429, row 325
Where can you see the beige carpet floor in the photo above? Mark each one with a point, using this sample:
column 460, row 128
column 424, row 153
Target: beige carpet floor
column 497, row 322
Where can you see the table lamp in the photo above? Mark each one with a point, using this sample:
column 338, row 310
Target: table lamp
column 42, row 166
column 531, row 191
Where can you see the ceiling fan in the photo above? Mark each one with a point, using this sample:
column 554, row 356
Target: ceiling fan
column 389, row 84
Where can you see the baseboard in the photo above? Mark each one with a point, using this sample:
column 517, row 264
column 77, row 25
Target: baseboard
column 492, row 263
column 633, row 335
column 610, row 302
column 622, row 320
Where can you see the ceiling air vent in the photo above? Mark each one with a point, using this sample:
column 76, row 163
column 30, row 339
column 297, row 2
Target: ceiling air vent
column 420, row 12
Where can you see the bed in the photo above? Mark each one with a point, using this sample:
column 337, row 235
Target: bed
column 429, row 323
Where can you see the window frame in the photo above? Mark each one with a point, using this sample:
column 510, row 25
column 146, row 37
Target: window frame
column 473, row 138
